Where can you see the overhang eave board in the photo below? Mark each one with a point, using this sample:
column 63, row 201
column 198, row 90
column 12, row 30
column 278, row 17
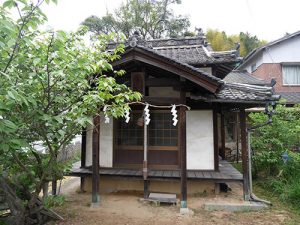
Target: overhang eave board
column 136, row 54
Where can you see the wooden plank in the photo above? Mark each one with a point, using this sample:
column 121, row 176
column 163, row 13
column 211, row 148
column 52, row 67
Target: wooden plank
column 162, row 82
column 168, row 173
column 191, row 174
column 159, row 173
column 161, row 100
column 206, row 175
column 138, row 82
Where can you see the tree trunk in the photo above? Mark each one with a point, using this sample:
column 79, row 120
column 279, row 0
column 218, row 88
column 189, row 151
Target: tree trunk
column 33, row 214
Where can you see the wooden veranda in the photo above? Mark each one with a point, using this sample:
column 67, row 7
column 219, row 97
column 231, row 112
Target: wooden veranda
column 226, row 173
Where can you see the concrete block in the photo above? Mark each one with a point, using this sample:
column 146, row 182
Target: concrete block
column 235, row 207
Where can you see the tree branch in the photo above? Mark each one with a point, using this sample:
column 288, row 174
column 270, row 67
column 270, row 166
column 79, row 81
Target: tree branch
column 25, row 20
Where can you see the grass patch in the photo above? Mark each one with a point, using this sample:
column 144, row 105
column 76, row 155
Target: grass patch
column 278, row 204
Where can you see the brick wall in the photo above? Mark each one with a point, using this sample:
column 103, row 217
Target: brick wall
column 267, row 71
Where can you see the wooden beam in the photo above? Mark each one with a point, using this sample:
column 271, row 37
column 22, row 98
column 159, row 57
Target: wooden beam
column 95, row 161
column 223, row 137
column 183, row 158
column 245, row 165
column 162, row 82
column 216, row 138
column 161, row 100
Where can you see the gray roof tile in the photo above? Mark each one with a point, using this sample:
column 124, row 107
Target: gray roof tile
column 243, row 77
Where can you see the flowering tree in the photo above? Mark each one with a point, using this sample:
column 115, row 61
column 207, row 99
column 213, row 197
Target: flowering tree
column 52, row 84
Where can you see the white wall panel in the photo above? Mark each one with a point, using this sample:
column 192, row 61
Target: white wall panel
column 200, row 142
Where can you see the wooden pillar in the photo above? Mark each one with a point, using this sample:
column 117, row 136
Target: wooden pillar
column 54, row 186
column 183, row 173
column 83, row 157
column 95, row 161
column 223, row 138
column 237, row 128
column 216, row 138
column 145, row 162
column 245, row 165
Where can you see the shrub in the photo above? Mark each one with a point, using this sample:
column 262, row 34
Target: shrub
column 269, row 143
column 54, row 201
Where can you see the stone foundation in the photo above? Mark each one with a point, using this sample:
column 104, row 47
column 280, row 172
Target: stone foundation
column 112, row 184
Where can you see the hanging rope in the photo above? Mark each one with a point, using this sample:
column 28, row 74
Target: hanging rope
column 147, row 111
column 160, row 106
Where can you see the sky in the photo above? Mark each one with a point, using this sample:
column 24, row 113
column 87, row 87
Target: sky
column 267, row 19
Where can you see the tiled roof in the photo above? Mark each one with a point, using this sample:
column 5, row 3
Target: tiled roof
column 185, row 65
column 243, row 77
column 241, row 93
column 197, row 54
column 290, row 97
column 190, row 50
column 244, row 92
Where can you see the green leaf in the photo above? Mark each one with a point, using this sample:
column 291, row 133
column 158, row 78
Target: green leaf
column 8, row 4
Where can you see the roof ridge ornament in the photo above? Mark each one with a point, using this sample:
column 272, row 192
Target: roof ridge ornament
column 136, row 39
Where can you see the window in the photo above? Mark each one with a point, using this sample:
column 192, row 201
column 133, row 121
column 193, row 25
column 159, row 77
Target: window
column 129, row 134
column 161, row 132
column 291, row 74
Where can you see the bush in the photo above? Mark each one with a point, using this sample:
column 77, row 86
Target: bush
column 54, row 201
column 269, row 143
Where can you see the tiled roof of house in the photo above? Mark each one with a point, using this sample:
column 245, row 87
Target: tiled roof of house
column 190, row 50
column 197, row 54
column 256, row 51
column 245, row 92
column 241, row 93
column 243, row 77
column 290, row 97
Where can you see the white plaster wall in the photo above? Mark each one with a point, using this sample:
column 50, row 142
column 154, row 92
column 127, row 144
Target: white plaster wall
column 106, row 144
column 89, row 144
column 200, row 141
column 286, row 51
column 258, row 60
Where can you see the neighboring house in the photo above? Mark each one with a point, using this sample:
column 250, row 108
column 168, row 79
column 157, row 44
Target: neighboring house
column 279, row 60
column 163, row 157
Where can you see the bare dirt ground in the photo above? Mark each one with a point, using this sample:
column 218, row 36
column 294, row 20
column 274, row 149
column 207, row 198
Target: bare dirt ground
column 126, row 209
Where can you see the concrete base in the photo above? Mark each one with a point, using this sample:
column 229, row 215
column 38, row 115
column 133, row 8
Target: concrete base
column 186, row 211
column 95, row 205
column 235, row 207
